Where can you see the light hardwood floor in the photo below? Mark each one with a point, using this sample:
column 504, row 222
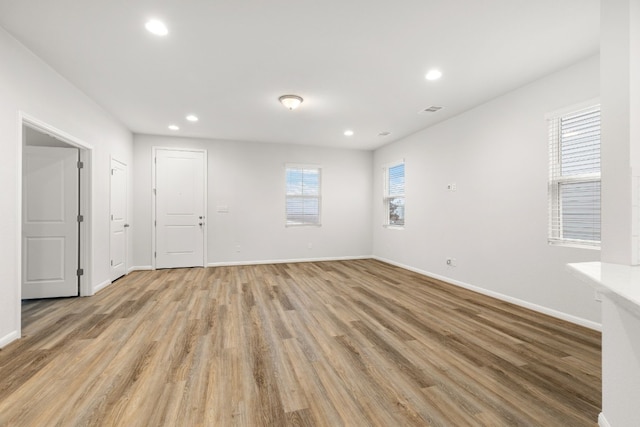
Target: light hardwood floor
column 351, row 343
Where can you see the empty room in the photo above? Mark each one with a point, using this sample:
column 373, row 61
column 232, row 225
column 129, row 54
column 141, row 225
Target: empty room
column 338, row 213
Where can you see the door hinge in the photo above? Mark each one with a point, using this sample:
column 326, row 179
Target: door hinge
column 155, row 255
column 154, row 192
column 80, row 165
column 80, row 218
column 113, row 171
column 111, row 217
column 111, row 263
column 79, row 272
column 155, row 223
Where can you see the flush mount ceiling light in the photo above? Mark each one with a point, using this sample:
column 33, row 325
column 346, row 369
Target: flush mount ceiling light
column 156, row 27
column 291, row 101
column 192, row 118
column 385, row 133
column 348, row 132
column 433, row 75
column 174, row 127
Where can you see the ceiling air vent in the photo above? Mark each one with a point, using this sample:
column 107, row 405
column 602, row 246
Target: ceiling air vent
column 431, row 109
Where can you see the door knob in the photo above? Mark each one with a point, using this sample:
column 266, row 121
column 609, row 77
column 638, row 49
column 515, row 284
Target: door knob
column 126, row 226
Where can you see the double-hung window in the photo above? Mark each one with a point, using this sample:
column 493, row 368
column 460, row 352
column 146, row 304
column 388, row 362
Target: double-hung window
column 303, row 196
column 393, row 197
column 574, row 177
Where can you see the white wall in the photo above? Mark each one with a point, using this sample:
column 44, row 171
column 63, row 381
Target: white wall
column 619, row 88
column 249, row 179
column 495, row 224
column 29, row 85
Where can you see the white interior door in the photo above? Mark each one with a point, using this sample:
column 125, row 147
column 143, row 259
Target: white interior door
column 180, row 208
column 50, row 222
column 119, row 224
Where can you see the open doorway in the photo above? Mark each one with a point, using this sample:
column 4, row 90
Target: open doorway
column 55, row 171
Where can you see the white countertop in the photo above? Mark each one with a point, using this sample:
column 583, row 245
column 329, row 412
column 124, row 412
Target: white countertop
column 621, row 283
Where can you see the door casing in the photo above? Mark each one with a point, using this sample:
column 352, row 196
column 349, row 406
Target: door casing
column 86, row 157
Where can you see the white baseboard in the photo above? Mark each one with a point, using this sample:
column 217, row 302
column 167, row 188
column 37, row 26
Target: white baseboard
column 139, row 268
column 101, row 286
column 286, row 261
column 540, row 309
column 10, row 337
column 602, row 421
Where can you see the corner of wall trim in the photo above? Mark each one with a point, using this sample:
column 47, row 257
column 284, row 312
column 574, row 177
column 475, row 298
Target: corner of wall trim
column 101, row 286
column 9, row 338
column 531, row 306
column 602, row 421
column 139, row 268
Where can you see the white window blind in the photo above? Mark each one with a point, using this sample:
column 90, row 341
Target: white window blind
column 394, row 200
column 574, row 177
column 303, row 196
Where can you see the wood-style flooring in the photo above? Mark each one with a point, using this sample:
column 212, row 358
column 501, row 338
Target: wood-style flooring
column 345, row 343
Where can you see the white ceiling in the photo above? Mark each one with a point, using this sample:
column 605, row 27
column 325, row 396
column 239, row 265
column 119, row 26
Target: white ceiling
column 358, row 64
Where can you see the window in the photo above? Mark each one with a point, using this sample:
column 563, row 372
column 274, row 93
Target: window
column 394, row 194
column 303, row 199
column 574, row 177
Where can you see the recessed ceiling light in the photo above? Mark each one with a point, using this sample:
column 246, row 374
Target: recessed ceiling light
column 174, row 127
column 348, row 132
column 433, row 75
column 156, row 27
column 192, row 118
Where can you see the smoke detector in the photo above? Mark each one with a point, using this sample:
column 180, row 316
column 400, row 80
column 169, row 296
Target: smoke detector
column 432, row 109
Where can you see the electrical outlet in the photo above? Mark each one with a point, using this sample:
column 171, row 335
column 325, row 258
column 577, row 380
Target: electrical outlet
column 451, row 262
column 597, row 296
column 237, row 248
column 452, row 186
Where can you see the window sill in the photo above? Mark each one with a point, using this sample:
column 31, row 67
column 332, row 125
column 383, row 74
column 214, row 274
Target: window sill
column 394, row 227
column 574, row 245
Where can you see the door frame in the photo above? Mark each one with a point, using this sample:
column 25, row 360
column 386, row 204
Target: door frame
column 126, row 198
column 154, row 151
column 86, row 156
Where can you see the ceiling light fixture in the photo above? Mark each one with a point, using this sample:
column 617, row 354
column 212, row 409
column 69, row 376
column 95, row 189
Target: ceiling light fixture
column 156, row 27
column 291, row 101
column 433, row 75
column 385, row 133
column 174, row 127
column 192, row 118
column 348, row 132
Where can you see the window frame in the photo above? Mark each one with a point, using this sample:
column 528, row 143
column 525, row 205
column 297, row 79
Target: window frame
column 303, row 197
column 387, row 197
column 556, row 178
